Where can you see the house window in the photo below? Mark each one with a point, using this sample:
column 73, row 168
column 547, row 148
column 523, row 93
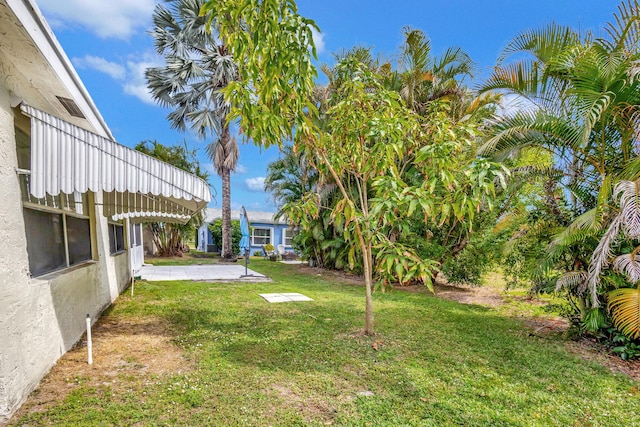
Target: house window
column 287, row 236
column 116, row 238
column 45, row 241
column 57, row 228
column 55, row 240
column 260, row 236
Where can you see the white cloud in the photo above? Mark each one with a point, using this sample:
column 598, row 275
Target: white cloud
column 241, row 169
column 131, row 74
column 255, row 184
column 116, row 71
column 114, row 18
column 318, row 40
column 136, row 83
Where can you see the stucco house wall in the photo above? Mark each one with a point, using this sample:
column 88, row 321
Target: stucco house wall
column 44, row 315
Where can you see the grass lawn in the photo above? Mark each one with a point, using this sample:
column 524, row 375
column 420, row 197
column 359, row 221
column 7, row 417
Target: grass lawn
column 195, row 258
column 242, row 362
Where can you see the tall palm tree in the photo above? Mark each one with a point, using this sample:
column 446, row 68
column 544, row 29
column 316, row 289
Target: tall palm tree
column 198, row 67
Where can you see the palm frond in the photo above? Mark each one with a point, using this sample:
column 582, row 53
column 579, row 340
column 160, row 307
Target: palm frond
column 535, row 128
column 624, row 33
column 581, row 229
column 545, row 44
column 197, row 68
column 624, row 304
column 600, row 258
column 571, row 280
column 520, row 77
column 631, row 171
column 627, row 193
column 628, row 264
column 594, row 320
column 416, row 50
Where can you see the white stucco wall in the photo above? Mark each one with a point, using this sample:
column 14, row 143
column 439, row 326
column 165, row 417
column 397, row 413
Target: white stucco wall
column 14, row 266
column 41, row 318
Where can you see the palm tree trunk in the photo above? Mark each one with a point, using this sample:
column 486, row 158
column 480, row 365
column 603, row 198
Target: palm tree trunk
column 227, row 251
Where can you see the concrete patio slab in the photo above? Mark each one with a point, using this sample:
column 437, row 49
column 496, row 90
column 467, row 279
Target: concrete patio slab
column 285, row 297
column 209, row 273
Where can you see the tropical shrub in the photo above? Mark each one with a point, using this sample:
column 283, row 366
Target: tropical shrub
column 624, row 346
column 236, row 234
column 584, row 98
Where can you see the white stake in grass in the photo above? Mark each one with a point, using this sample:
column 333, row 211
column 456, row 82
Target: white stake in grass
column 89, row 344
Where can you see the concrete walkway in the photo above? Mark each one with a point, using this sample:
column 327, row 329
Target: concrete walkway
column 209, row 273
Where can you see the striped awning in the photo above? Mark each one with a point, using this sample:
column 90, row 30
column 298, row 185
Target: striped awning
column 66, row 158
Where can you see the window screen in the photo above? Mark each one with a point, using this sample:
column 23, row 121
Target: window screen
column 79, row 238
column 116, row 238
column 55, row 239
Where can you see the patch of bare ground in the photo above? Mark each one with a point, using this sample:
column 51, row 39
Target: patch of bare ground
column 469, row 294
column 127, row 354
column 589, row 349
column 313, row 408
column 333, row 275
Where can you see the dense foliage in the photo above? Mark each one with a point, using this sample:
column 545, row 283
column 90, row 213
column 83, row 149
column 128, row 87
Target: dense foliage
column 170, row 239
column 583, row 94
column 427, row 192
column 236, row 234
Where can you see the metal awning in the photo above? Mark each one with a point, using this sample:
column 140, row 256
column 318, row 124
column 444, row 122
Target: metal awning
column 66, row 158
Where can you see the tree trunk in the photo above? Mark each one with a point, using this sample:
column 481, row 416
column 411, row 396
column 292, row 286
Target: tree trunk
column 227, row 250
column 368, row 283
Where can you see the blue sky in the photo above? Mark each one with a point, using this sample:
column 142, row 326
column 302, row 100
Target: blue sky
column 108, row 44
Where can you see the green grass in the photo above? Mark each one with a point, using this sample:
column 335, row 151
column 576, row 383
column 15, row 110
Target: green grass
column 432, row 363
column 192, row 258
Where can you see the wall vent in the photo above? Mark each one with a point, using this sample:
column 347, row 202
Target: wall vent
column 71, row 107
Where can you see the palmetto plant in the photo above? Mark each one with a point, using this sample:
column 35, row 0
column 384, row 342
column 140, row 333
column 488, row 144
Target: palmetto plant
column 198, row 67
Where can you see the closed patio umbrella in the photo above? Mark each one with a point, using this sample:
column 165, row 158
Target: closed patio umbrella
column 245, row 244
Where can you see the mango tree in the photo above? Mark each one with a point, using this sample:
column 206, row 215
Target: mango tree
column 369, row 139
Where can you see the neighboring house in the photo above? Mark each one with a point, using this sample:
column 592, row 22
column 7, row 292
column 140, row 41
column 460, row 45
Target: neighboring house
column 72, row 204
column 264, row 229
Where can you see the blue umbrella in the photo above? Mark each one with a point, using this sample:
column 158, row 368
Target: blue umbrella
column 244, row 229
column 244, row 242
